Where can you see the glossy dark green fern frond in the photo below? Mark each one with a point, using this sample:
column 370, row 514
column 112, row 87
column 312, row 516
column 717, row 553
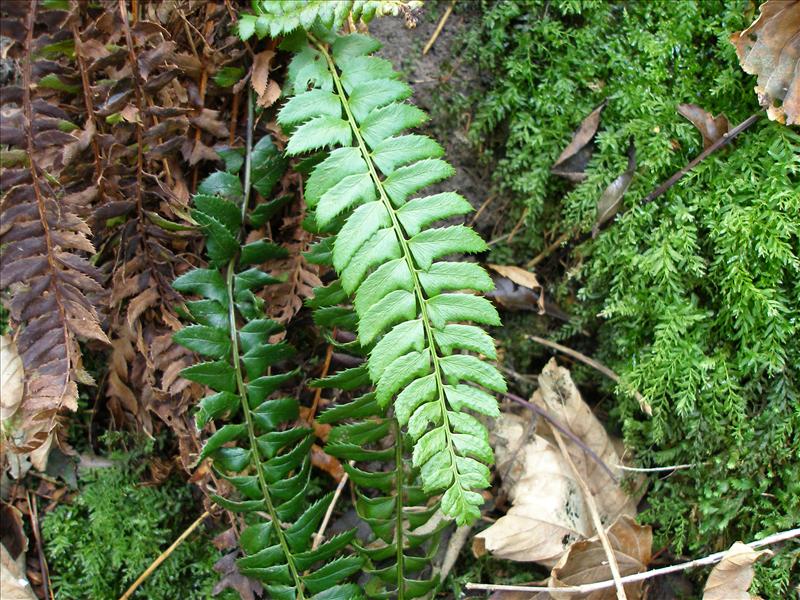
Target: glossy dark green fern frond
column 422, row 358
column 258, row 451
column 406, row 530
column 276, row 17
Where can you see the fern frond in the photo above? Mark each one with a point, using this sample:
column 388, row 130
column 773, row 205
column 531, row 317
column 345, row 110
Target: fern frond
column 275, row 17
column 389, row 261
column 45, row 243
column 259, row 451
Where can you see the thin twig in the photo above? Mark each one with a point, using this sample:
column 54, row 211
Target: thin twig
column 598, row 522
column 600, row 585
column 720, row 143
column 318, row 537
column 557, row 425
column 549, row 250
column 654, row 469
column 164, row 556
column 643, row 404
column 481, row 209
column 439, row 28
column 34, row 514
column 659, row 191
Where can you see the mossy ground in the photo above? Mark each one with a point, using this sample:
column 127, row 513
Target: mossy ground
column 693, row 298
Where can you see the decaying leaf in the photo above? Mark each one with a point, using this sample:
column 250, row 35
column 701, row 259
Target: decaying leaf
column 266, row 89
column 548, row 511
column 517, row 289
column 770, row 49
column 231, row 578
column 710, row 127
column 610, row 201
column 732, row 577
column 13, row 582
column 12, row 378
column 571, row 163
column 586, row 562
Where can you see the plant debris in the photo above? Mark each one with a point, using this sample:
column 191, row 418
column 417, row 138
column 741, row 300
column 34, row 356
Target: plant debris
column 770, row 49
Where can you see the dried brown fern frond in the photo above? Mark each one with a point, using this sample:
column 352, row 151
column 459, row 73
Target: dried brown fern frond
column 45, row 243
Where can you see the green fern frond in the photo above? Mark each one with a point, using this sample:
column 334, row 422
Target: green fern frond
column 406, row 536
column 259, row 451
column 275, row 17
column 405, row 297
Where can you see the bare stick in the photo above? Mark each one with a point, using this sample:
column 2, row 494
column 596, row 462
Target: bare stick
column 723, row 141
column 164, row 556
column 661, row 189
column 554, row 422
column 549, row 250
column 47, row 588
column 439, row 28
column 598, row 522
column 481, row 209
column 654, row 469
column 600, row 585
column 643, row 404
column 321, row 531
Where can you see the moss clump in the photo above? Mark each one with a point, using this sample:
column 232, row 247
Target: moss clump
column 98, row 545
column 695, row 298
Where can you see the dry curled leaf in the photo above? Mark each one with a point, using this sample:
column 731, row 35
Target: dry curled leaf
column 586, row 562
column 611, row 200
column 571, row 163
column 731, row 578
column 770, row 49
column 710, row 127
column 12, row 378
column 517, row 289
column 548, row 511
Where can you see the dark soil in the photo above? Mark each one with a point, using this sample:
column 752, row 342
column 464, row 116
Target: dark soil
column 436, row 78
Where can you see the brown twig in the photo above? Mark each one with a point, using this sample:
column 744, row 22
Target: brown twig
column 439, row 28
column 557, row 425
column 549, row 250
column 164, row 556
column 659, row 191
column 720, row 143
column 601, row 585
column 643, row 404
column 477, row 214
column 34, row 514
column 598, row 522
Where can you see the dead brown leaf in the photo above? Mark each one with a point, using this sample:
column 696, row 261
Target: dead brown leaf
column 571, row 163
column 13, row 583
column 770, row 49
column 731, row 578
column 517, row 289
column 327, row 463
column 710, row 127
column 586, row 562
column 548, row 511
column 267, row 90
column 610, row 202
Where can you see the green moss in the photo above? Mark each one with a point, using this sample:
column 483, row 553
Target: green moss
column 99, row 544
column 695, row 298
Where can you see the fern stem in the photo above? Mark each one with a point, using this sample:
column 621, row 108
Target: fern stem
column 398, row 536
column 400, row 233
column 242, row 388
